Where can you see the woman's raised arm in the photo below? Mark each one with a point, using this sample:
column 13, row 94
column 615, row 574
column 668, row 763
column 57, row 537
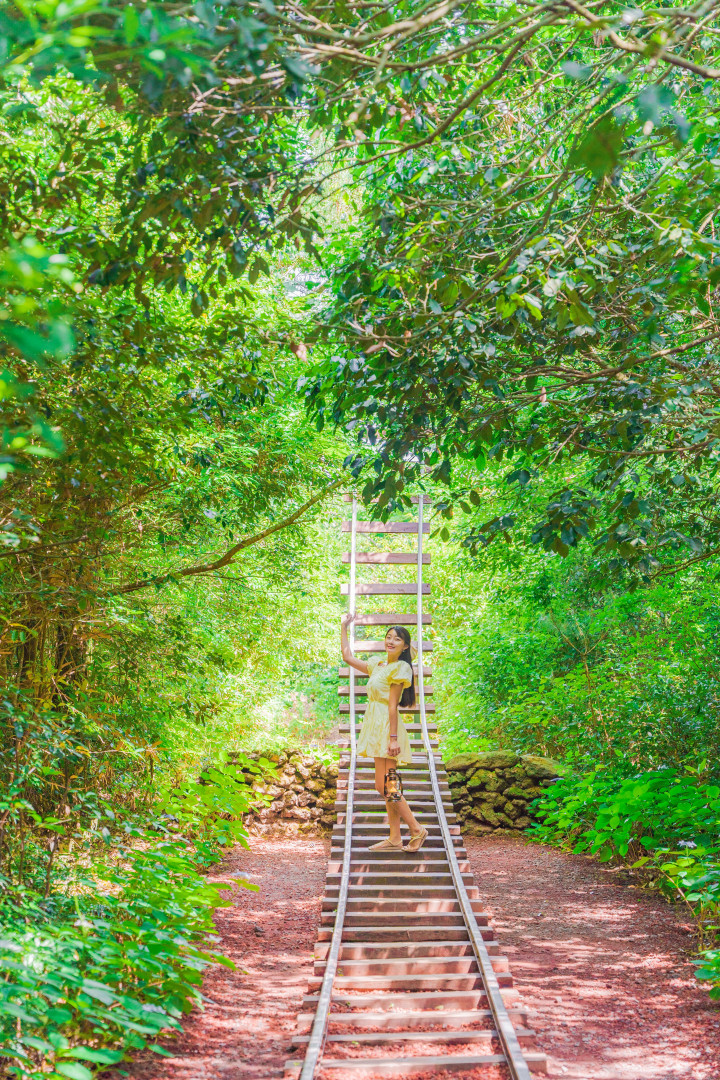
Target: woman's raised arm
column 347, row 653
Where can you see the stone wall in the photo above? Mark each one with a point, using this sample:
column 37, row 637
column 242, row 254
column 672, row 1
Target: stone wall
column 491, row 791
column 300, row 798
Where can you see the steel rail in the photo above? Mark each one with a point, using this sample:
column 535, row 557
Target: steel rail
column 318, row 1034
column 515, row 1058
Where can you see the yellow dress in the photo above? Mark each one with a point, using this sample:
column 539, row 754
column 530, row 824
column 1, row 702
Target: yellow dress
column 375, row 731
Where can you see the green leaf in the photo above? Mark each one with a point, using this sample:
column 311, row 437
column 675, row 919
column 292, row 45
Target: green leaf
column 131, row 22
column 20, row 1013
column 100, row 1057
column 599, row 151
column 59, row 1015
column 73, row 1070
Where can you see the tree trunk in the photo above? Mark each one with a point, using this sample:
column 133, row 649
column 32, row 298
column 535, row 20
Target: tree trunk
column 70, row 658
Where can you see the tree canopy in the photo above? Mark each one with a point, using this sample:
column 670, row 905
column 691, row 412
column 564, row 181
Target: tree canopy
column 534, row 275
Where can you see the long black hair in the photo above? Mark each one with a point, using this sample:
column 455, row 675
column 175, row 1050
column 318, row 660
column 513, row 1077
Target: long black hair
column 408, row 695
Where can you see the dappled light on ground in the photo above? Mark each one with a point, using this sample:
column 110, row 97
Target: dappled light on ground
column 245, row 1031
column 606, row 970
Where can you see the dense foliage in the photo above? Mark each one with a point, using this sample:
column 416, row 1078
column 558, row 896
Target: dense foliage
column 105, row 913
column 151, row 436
column 534, row 277
column 544, row 654
column 550, row 655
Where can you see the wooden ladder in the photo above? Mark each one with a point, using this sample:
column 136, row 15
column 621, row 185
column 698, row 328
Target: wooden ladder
column 409, row 978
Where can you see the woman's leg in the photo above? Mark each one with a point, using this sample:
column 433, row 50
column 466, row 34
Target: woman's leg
column 408, row 817
column 396, row 811
column 381, row 767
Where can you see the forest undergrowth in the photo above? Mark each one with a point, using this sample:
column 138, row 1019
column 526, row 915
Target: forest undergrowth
column 546, row 656
column 242, row 270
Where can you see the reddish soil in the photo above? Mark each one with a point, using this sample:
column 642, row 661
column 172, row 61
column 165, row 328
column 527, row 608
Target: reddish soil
column 605, row 969
column 245, row 1030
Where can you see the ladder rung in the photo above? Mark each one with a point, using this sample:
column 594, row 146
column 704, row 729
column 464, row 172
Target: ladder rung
column 360, row 708
column 397, row 558
column 385, row 526
column 414, row 499
column 390, row 618
column 413, row 729
column 380, row 588
column 361, row 691
column 344, row 673
column 368, row 645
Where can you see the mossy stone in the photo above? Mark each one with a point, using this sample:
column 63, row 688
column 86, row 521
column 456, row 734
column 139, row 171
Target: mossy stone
column 497, row 759
column 492, row 798
column 479, row 779
column 498, row 783
column 542, row 768
column 514, row 792
column 487, row 759
column 461, row 763
column 488, row 814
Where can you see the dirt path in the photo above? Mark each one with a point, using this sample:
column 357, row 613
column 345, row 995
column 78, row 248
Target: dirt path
column 245, row 1031
column 606, row 969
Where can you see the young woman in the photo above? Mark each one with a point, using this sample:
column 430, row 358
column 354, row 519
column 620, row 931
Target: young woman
column 383, row 735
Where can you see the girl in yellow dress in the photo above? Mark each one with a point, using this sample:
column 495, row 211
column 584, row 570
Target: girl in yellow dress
column 383, row 735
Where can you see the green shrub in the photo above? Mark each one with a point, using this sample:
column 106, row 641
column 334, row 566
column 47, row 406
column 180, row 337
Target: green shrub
column 709, row 970
column 210, row 809
column 547, row 655
column 665, row 823
column 114, row 953
column 610, row 814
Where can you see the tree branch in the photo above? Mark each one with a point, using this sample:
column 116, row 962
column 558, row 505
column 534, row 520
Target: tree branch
column 668, row 571
column 227, row 558
column 641, row 48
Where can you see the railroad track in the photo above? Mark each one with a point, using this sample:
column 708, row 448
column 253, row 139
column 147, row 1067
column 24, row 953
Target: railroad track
column 409, row 979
